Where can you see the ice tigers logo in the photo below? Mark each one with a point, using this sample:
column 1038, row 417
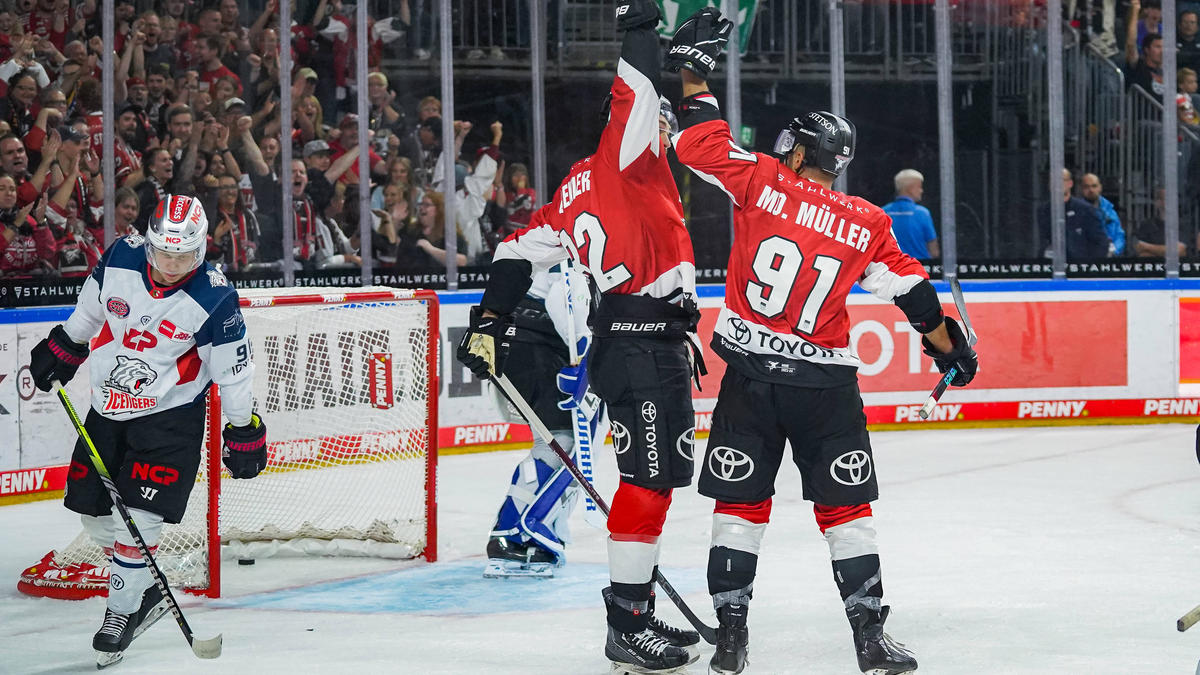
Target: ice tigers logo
column 131, row 375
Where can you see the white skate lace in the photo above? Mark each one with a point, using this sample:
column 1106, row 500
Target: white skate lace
column 662, row 628
column 114, row 623
column 894, row 647
column 649, row 641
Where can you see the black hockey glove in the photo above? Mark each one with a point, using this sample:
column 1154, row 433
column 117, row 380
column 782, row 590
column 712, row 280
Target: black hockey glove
column 699, row 42
column 633, row 14
column 962, row 357
column 485, row 346
column 245, row 451
column 56, row 358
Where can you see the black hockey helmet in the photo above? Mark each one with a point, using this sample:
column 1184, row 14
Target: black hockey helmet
column 828, row 141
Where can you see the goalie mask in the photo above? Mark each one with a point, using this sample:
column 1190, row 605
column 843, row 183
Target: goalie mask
column 828, row 141
column 176, row 236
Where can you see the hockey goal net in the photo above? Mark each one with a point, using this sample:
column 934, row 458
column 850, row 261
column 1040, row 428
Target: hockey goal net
column 346, row 382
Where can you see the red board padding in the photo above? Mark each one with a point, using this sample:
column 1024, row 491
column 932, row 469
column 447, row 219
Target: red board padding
column 1189, row 340
column 1021, row 345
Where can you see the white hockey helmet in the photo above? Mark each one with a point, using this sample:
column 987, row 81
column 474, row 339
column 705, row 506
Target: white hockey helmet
column 176, row 235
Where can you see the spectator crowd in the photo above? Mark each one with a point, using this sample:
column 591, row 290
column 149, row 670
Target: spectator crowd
column 196, row 99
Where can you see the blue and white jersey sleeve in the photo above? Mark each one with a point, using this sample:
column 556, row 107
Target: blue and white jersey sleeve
column 224, row 347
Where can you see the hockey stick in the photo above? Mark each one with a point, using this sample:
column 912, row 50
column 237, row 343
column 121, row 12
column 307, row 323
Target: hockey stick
column 940, row 387
column 1188, row 620
column 582, row 425
column 205, row 649
column 510, row 392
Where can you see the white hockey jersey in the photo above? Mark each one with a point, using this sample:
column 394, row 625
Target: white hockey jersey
column 564, row 290
column 153, row 350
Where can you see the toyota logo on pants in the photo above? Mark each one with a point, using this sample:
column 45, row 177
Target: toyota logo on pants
column 621, row 439
column 851, row 468
column 729, row 464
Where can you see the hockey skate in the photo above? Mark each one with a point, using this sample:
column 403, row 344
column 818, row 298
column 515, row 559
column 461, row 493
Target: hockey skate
column 877, row 652
column 678, row 637
column 645, row 652
column 506, row 559
column 119, row 630
column 733, row 641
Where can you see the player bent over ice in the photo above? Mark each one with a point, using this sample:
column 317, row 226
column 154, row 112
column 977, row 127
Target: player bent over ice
column 530, row 534
column 798, row 248
column 160, row 325
column 618, row 213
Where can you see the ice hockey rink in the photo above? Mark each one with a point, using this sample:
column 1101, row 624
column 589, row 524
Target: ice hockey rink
column 1056, row 550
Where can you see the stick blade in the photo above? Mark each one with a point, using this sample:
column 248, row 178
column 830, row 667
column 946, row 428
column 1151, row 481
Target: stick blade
column 207, row 649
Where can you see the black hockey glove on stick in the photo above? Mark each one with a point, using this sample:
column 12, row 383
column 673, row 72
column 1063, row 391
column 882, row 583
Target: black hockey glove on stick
column 539, row 429
column 484, row 347
column 959, row 366
column 633, row 14
column 205, row 649
column 245, row 450
column 698, row 43
column 56, row 358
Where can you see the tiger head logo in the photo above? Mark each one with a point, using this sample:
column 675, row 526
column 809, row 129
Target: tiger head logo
column 131, row 375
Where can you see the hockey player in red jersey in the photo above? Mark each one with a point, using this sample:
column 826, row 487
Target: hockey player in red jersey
column 158, row 325
column 798, row 248
column 618, row 213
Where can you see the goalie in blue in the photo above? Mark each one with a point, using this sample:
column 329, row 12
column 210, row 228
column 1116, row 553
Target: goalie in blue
column 547, row 363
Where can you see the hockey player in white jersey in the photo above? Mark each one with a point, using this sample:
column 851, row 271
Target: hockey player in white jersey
column 159, row 325
column 547, row 363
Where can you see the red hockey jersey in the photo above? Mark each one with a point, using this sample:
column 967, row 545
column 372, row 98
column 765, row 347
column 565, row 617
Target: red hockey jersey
column 618, row 211
column 798, row 249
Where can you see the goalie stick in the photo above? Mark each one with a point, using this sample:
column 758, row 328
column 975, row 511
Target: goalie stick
column 581, row 426
column 510, row 392
column 205, row 649
column 940, row 387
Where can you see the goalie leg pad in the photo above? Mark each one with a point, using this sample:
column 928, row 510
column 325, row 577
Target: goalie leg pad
column 540, row 500
column 130, row 576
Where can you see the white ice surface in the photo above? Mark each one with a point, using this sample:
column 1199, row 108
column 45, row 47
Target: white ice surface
column 1056, row 550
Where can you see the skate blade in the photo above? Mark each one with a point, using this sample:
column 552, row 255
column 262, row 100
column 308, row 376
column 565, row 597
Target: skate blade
column 630, row 669
column 106, row 659
column 885, row 671
column 155, row 613
column 506, row 569
column 713, row 670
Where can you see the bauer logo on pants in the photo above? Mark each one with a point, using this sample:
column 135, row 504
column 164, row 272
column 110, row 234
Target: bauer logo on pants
column 851, row 468
column 729, row 464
